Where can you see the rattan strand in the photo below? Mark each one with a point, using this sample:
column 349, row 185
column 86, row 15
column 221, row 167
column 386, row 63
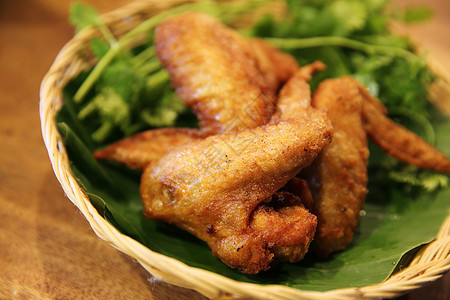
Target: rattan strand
column 429, row 264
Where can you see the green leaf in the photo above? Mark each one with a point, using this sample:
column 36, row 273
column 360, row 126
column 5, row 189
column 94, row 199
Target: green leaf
column 376, row 5
column 81, row 154
column 415, row 13
column 404, row 84
column 82, row 15
column 350, row 15
column 99, row 47
column 430, row 181
column 397, row 220
column 265, row 27
column 112, row 107
column 390, row 226
column 165, row 111
column 122, row 77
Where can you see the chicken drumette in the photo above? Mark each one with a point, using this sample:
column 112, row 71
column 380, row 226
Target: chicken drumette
column 338, row 177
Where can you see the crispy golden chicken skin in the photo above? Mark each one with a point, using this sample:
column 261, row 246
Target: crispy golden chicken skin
column 206, row 79
column 398, row 141
column 284, row 224
column 143, row 148
column 217, row 72
column 338, row 177
column 294, row 99
column 299, row 187
column 219, row 189
column 276, row 67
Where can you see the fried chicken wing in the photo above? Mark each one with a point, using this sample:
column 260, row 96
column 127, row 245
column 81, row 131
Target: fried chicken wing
column 225, row 78
column 398, row 141
column 338, row 177
column 222, row 188
column 276, row 67
column 143, row 148
column 284, row 224
column 294, row 99
column 299, row 187
column 230, row 82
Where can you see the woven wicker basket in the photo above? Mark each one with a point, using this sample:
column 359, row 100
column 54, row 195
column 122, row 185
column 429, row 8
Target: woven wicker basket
column 428, row 265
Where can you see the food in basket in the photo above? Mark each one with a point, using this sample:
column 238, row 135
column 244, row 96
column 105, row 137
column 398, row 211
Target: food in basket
column 229, row 82
column 224, row 188
column 127, row 91
column 141, row 149
column 338, row 178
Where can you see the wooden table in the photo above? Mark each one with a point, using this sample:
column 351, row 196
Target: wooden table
column 47, row 249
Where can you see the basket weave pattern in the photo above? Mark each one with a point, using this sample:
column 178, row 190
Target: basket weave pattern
column 429, row 264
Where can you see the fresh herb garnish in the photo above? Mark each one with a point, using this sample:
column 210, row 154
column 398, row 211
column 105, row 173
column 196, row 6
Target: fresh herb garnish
column 353, row 38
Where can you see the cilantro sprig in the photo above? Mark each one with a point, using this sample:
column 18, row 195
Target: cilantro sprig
column 353, row 38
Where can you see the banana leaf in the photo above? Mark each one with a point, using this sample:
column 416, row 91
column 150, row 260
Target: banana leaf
column 397, row 219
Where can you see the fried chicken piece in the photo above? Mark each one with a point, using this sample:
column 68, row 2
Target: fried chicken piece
column 338, row 177
column 294, row 99
column 300, row 188
column 221, row 189
column 398, row 141
column 218, row 73
column 253, row 60
column 143, row 148
column 276, row 67
column 285, row 225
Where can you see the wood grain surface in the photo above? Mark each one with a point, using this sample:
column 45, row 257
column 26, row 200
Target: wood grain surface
column 47, row 249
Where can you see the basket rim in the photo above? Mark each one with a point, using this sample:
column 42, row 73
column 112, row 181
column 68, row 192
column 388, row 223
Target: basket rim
column 171, row 270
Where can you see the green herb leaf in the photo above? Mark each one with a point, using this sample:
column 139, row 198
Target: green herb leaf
column 430, row 181
column 391, row 224
column 349, row 15
column 82, row 15
column 99, row 47
column 123, row 79
column 415, row 13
